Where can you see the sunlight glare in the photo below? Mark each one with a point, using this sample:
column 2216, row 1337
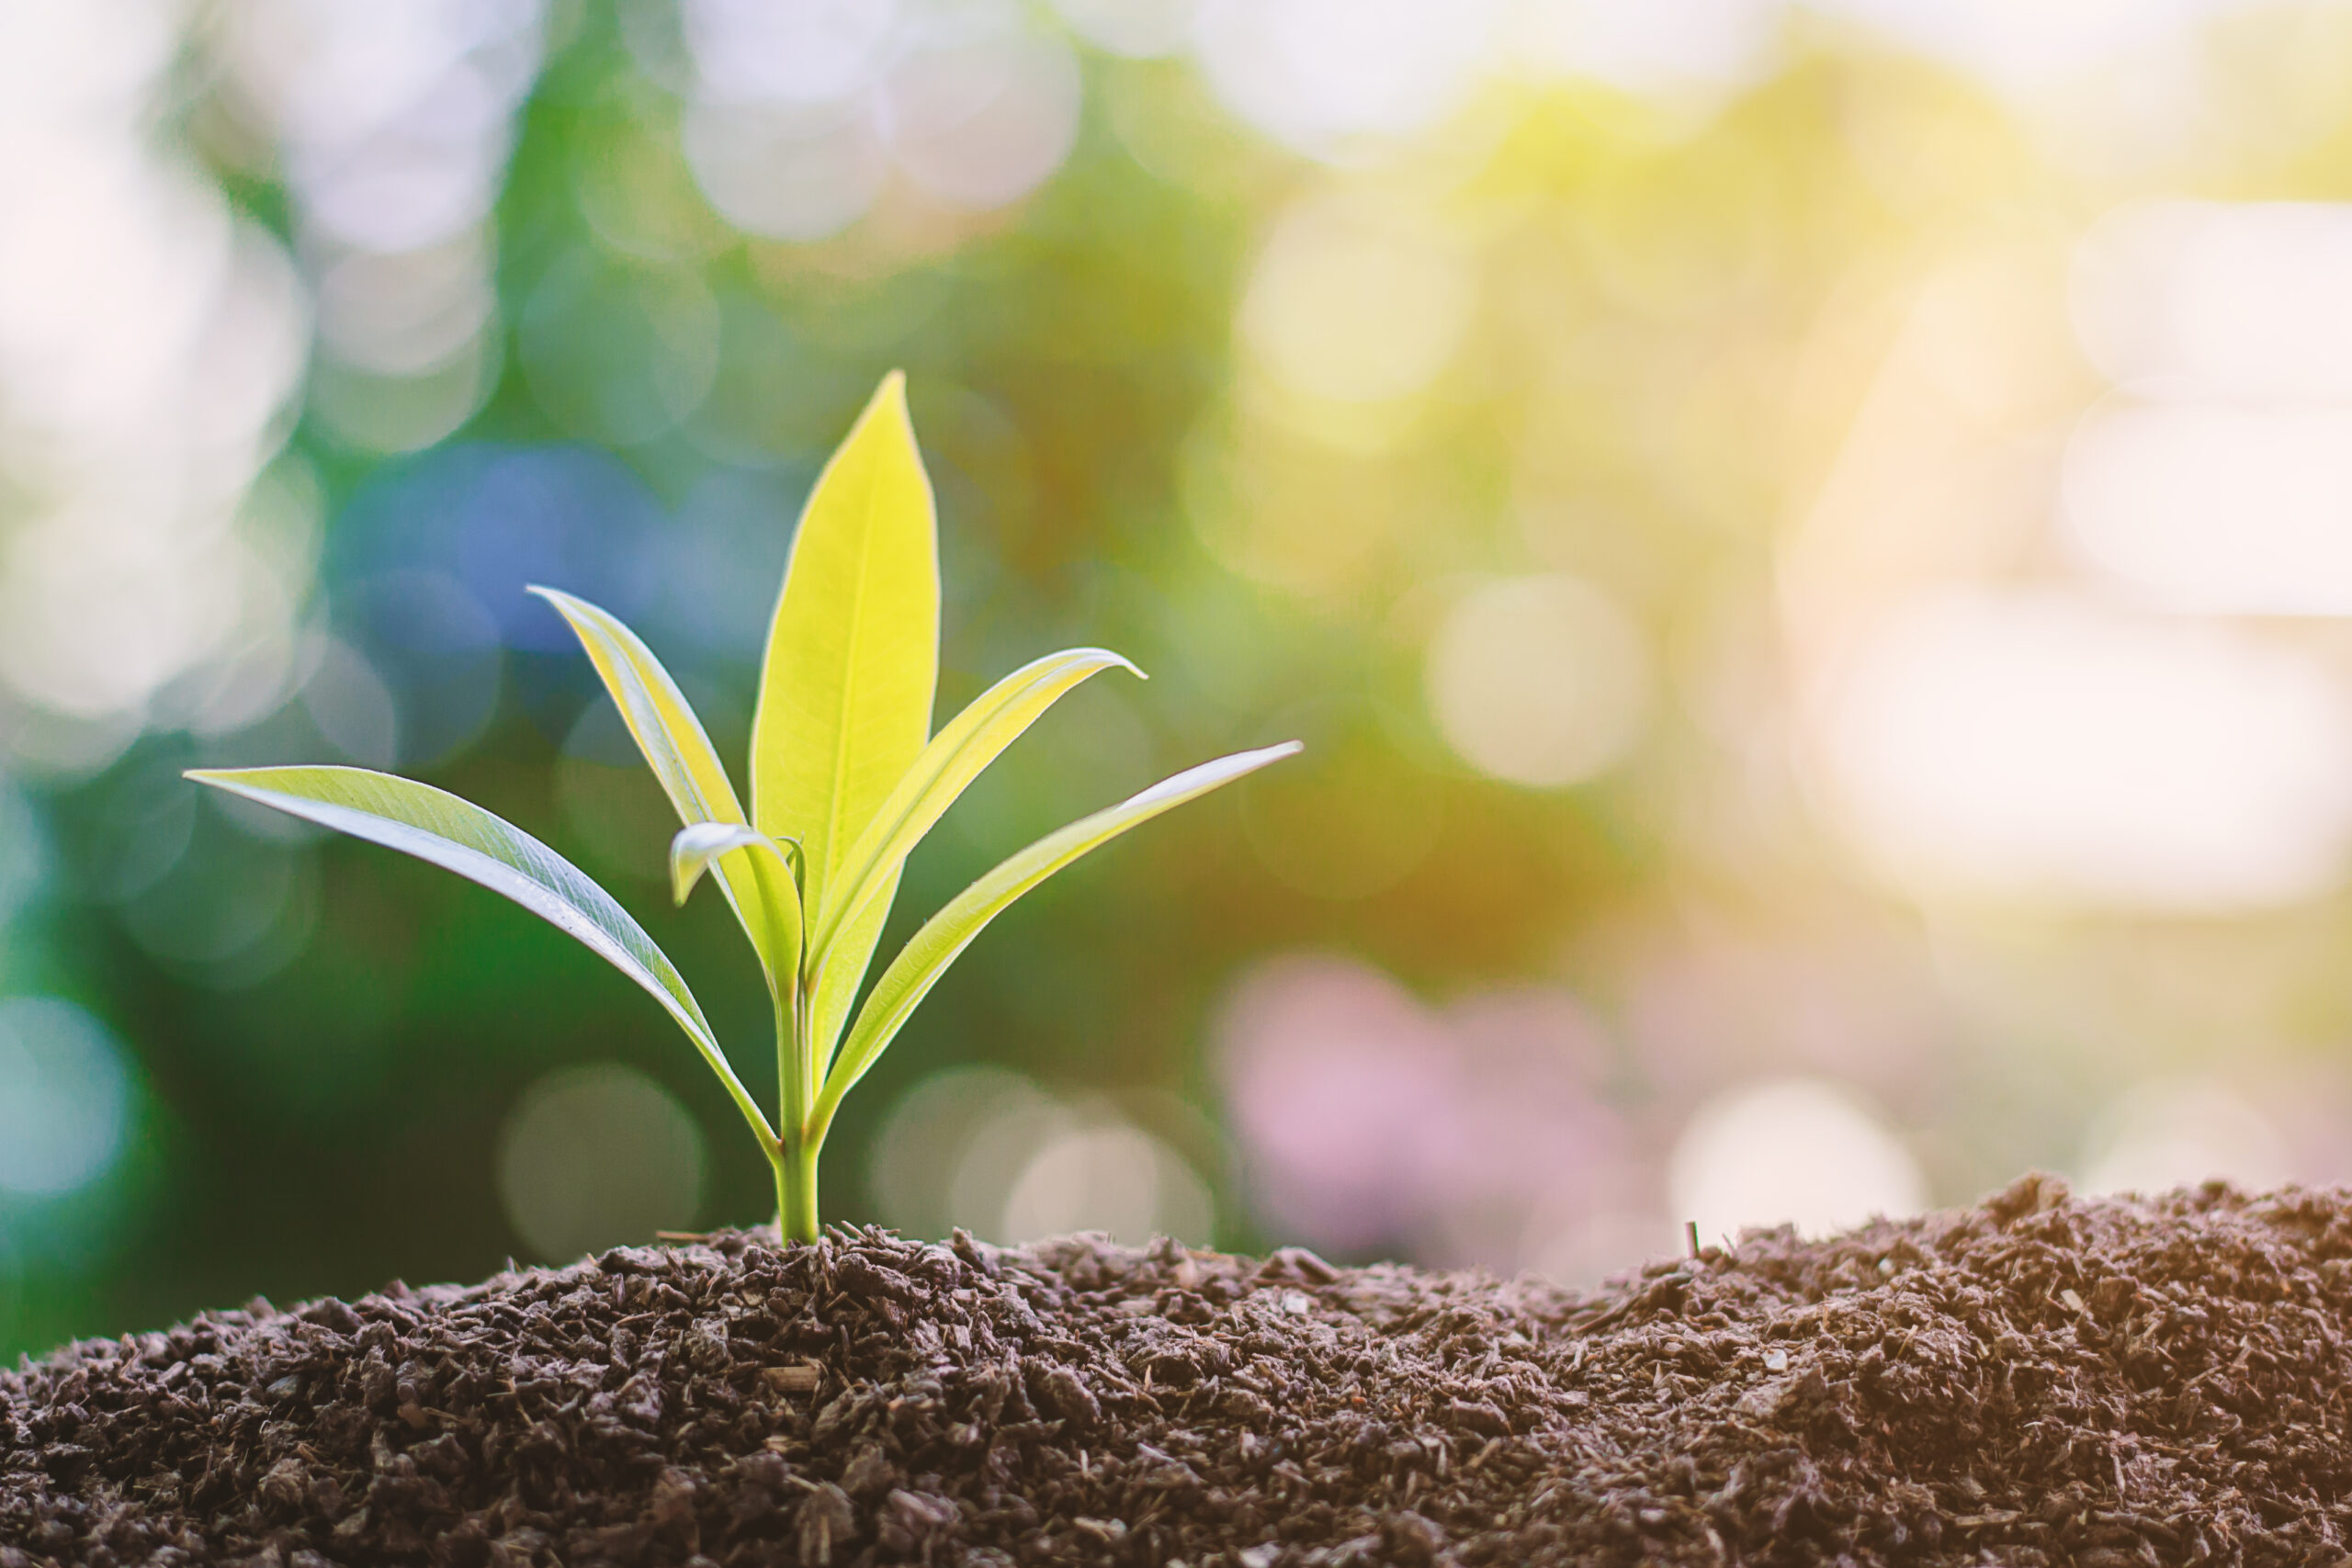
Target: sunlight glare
column 2030, row 746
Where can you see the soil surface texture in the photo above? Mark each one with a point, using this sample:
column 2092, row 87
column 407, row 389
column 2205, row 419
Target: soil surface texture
column 2035, row 1381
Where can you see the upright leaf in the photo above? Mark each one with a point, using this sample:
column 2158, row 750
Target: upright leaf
column 852, row 657
column 674, row 743
column 459, row 836
column 836, row 985
column 927, row 955
column 964, row 746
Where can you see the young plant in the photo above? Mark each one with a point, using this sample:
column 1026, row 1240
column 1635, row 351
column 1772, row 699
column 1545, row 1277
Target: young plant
column 846, row 779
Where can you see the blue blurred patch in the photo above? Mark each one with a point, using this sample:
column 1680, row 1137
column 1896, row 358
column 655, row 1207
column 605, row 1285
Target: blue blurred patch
column 495, row 519
column 712, row 583
column 428, row 565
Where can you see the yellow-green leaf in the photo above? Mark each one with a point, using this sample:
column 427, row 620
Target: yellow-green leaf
column 928, row 953
column 964, row 746
column 852, row 657
column 667, row 732
column 459, row 836
column 835, row 986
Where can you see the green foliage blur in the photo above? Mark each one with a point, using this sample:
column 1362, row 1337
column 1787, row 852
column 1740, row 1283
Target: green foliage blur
column 1640, row 362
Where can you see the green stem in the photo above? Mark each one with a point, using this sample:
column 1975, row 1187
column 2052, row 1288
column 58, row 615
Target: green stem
column 796, row 1157
column 796, row 1191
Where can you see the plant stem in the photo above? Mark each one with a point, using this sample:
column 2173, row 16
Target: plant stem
column 796, row 1191
column 795, row 1155
column 796, row 1150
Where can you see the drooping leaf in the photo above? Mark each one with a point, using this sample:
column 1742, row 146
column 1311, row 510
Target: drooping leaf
column 698, row 845
column 459, row 836
column 928, row 953
column 964, row 746
column 852, row 657
column 695, row 845
column 667, row 732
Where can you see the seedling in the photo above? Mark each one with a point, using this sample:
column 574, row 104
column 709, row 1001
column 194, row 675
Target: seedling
column 846, row 779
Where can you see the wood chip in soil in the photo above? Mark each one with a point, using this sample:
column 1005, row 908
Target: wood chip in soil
column 2036, row 1381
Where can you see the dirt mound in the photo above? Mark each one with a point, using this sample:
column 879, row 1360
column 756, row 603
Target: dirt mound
column 2035, row 1381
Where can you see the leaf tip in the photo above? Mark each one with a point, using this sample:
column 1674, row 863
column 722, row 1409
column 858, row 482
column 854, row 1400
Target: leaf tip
column 218, row 778
column 557, row 597
column 887, row 403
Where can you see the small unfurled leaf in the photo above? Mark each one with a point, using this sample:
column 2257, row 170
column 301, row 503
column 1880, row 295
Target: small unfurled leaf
column 666, row 729
column 459, row 836
column 928, row 953
column 775, row 895
column 846, row 689
column 965, row 746
column 696, row 844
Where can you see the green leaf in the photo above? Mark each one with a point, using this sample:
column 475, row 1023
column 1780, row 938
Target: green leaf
column 928, row 953
column 675, row 745
column 459, row 836
column 852, row 656
column 835, row 988
column 699, row 844
column 968, row 743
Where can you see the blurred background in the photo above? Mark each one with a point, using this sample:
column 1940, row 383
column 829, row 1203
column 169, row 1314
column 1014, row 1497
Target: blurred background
column 1810, row 546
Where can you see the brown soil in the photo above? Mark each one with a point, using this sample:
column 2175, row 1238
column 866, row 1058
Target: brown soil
column 2035, row 1381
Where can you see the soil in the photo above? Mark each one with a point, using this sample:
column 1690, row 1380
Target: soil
column 2035, row 1381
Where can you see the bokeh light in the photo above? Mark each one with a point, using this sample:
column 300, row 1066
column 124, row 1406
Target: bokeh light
column 1352, row 304
column 65, row 1097
column 1327, row 76
column 1794, row 1151
column 1672, row 49
column 2230, row 301
column 1140, row 29
column 2218, row 509
column 1538, row 680
column 24, row 852
column 598, row 1156
column 1366, row 1119
column 920, row 1173
column 803, row 112
column 2178, row 1132
column 1110, row 1178
column 991, row 1151
column 394, row 127
column 2030, row 746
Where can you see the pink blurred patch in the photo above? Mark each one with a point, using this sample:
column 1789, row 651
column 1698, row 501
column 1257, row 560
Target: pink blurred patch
column 1369, row 1121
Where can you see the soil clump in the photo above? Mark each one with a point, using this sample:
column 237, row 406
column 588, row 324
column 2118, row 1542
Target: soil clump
column 2038, row 1379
